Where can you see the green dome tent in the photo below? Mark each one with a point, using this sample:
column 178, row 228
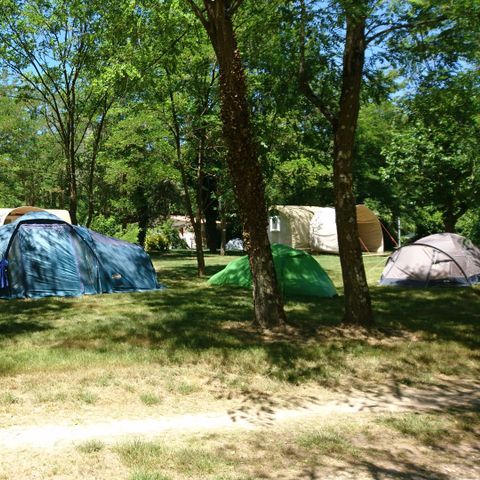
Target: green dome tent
column 297, row 271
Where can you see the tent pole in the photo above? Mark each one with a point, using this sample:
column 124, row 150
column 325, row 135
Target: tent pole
column 399, row 229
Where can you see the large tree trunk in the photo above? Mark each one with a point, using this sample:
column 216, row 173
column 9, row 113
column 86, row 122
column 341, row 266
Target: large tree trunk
column 358, row 308
column 244, row 167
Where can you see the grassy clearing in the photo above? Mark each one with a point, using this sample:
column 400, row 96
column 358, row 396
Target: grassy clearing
column 191, row 348
column 190, row 345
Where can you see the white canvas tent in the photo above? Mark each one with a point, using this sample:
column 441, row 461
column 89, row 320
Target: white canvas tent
column 440, row 259
column 9, row 215
column 314, row 228
column 290, row 225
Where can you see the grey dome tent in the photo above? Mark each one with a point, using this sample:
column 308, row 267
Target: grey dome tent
column 234, row 245
column 440, row 259
column 42, row 255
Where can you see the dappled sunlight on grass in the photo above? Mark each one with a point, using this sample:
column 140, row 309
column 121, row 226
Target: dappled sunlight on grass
column 419, row 333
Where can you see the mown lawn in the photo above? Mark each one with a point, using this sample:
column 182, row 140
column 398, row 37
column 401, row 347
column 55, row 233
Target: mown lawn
column 191, row 348
column 419, row 334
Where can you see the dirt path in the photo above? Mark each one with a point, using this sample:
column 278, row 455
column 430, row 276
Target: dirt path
column 250, row 413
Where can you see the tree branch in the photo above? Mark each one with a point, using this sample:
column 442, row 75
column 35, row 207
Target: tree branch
column 199, row 14
column 404, row 26
column 303, row 80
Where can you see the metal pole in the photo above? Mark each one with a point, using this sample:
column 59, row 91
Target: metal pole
column 399, row 230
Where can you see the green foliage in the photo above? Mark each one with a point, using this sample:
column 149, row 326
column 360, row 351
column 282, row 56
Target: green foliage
column 431, row 158
column 163, row 238
column 469, row 225
column 156, row 242
column 110, row 226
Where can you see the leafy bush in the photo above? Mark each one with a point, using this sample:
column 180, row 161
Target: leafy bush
column 172, row 235
column 111, row 227
column 156, row 241
column 129, row 233
column 469, row 225
column 163, row 238
column 105, row 225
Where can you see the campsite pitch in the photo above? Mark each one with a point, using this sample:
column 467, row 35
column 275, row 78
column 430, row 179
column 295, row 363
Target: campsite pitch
column 189, row 352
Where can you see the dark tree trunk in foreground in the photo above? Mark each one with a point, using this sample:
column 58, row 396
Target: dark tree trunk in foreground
column 243, row 164
column 358, row 308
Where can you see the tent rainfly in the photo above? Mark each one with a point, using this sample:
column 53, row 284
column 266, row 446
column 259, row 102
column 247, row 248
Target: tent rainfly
column 314, row 228
column 440, row 259
column 42, row 255
column 9, row 215
column 298, row 273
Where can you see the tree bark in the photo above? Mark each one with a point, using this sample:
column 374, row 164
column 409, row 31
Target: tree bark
column 358, row 309
column 244, row 167
column 175, row 128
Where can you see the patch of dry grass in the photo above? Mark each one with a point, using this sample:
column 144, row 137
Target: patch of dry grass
column 191, row 348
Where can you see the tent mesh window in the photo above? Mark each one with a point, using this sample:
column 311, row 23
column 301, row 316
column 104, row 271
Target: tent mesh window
column 275, row 223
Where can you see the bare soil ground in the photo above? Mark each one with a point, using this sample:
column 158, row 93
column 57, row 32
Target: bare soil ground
column 50, row 450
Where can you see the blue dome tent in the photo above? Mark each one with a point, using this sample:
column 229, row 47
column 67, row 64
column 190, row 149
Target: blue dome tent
column 42, row 255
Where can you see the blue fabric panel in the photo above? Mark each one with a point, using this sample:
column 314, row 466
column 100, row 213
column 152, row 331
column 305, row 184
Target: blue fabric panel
column 3, row 273
column 49, row 257
column 451, row 282
column 49, row 261
column 126, row 267
column 5, row 235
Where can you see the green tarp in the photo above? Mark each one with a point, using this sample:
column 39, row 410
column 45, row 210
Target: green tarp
column 298, row 273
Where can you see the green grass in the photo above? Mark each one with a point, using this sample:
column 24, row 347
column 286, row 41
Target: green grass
column 426, row 428
column 328, row 441
column 420, row 334
column 157, row 458
column 91, row 446
column 150, row 399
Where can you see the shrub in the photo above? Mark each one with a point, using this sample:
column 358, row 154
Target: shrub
column 156, row 241
column 163, row 238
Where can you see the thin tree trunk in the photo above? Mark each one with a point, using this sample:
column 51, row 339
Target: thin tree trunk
column 223, row 226
column 243, row 164
column 93, row 162
column 211, row 212
column 175, row 128
column 358, row 309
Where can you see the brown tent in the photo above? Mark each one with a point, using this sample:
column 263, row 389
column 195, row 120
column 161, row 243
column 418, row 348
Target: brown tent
column 9, row 215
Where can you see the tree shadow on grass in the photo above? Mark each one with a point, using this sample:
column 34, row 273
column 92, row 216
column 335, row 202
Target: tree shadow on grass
column 19, row 317
column 447, row 314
